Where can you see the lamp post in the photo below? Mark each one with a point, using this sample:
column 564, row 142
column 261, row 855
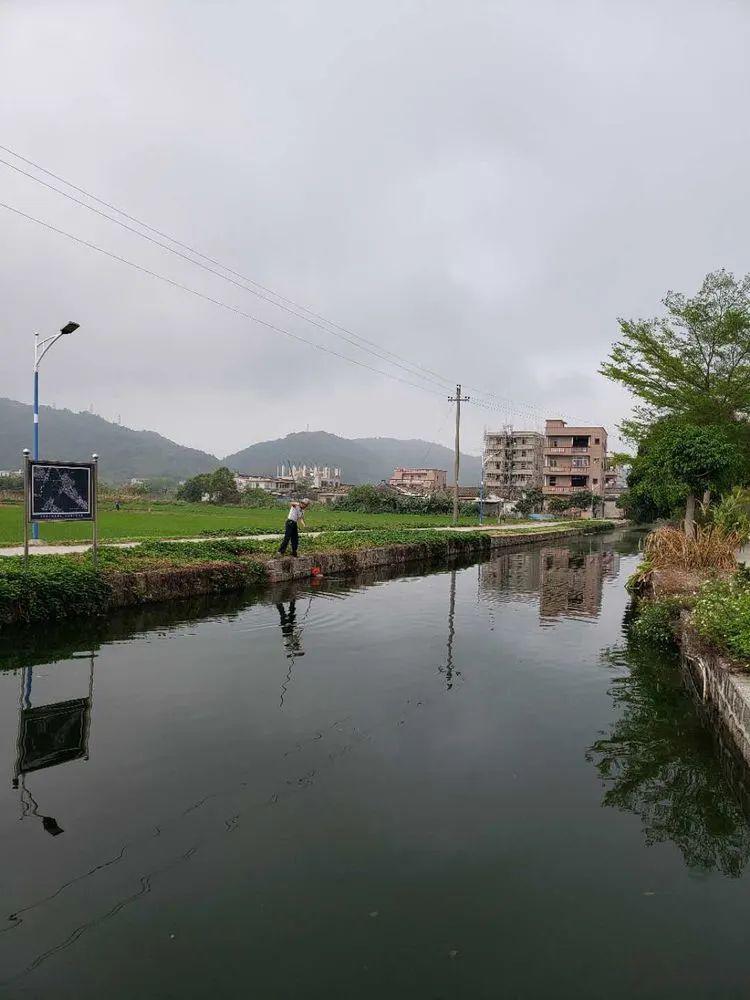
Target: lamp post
column 40, row 349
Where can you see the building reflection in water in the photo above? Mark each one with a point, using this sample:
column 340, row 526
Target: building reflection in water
column 568, row 582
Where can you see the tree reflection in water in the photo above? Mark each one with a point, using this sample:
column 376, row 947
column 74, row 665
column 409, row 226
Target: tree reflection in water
column 660, row 763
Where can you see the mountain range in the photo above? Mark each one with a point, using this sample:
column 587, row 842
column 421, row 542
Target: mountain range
column 125, row 453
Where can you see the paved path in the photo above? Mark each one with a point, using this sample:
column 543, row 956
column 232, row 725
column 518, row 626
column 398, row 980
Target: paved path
column 48, row 550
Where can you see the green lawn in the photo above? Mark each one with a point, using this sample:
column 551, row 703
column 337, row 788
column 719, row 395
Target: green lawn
column 142, row 520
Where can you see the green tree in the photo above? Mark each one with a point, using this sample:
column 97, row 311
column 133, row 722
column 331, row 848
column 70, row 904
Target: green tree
column 531, row 502
column 194, row 489
column 677, row 462
column 222, row 487
column 695, row 361
column 581, row 499
column 558, row 505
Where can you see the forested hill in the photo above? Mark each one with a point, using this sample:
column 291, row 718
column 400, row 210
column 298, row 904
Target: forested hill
column 363, row 460
column 124, row 453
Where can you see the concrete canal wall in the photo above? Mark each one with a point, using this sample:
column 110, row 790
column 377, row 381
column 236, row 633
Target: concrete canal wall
column 722, row 691
column 129, row 589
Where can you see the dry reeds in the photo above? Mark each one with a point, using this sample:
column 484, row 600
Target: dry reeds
column 712, row 548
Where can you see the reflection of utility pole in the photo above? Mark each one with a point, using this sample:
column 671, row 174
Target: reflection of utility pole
column 451, row 634
column 457, row 399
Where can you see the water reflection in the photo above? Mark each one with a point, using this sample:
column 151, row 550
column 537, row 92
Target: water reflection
column 660, row 763
column 568, row 581
column 49, row 735
column 353, row 801
column 447, row 668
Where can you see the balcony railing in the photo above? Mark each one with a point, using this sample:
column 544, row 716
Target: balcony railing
column 568, row 451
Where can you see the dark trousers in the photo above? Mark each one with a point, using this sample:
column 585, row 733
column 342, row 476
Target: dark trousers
column 291, row 534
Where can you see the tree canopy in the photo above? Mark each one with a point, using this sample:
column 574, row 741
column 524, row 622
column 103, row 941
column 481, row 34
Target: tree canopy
column 219, row 486
column 690, row 372
column 695, row 361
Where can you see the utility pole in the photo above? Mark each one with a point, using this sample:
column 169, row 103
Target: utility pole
column 457, row 399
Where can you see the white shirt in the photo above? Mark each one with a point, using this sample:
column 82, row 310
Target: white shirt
column 296, row 513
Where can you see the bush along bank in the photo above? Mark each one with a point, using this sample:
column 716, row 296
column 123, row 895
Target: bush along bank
column 54, row 587
column 702, row 607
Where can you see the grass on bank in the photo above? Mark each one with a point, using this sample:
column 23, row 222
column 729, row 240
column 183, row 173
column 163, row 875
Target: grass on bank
column 140, row 520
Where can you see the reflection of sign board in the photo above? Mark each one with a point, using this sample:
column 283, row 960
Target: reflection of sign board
column 53, row 734
column 61, row 491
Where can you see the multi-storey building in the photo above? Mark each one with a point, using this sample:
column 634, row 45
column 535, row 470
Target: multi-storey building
column 512, row 461
column 575, row 459
column 419, row 480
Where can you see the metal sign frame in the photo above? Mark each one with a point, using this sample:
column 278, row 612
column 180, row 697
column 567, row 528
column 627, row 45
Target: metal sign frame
column 45, row 516
column 37, row 517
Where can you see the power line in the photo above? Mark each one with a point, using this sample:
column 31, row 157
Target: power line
column 414, row 369
column 210, row 298
column 379, row 353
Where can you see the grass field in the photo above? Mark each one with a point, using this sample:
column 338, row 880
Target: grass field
column 142, row 520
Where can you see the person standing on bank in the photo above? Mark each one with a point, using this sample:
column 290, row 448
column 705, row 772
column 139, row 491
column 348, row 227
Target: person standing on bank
column 293, row 522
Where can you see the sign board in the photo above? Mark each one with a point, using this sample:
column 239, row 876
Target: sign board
column 61, row 491
column 53, row 734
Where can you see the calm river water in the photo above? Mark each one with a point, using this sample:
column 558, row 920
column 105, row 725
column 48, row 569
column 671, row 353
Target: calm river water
column 464, row 783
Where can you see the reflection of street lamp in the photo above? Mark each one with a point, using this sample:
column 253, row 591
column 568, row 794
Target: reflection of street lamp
column 40, row 349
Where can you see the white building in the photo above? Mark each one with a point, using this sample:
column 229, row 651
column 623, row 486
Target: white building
column 513, row 461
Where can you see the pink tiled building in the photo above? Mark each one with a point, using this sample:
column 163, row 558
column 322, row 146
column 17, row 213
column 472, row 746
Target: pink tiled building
column 575, row 458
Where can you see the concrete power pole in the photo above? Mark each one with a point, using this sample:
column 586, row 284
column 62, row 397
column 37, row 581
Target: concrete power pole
column 457, row 399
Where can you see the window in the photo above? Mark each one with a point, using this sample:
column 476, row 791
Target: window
column 552, row 480
column 580, row 440
column 596, row 440
column 595, row 482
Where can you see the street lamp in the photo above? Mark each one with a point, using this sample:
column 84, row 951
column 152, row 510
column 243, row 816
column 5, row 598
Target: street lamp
column 40, row 349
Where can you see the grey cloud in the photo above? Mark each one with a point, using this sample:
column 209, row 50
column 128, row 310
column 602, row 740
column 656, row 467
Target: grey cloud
column 480, row 187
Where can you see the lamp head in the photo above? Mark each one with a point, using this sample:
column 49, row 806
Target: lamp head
column 69, row 328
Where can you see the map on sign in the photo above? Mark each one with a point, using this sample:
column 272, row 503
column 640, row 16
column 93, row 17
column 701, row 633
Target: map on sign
column 60, row 492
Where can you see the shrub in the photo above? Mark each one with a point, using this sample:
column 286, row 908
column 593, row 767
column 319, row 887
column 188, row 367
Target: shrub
column 558, row 505
column 52, row 587
column 722, row 614
column 368, row 499
column 731, row 514
column 655, row 622
column 582, row 499
column 711, row 549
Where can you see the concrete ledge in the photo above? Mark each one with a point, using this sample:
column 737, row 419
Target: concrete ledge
column 333, row 563
column 721, row 689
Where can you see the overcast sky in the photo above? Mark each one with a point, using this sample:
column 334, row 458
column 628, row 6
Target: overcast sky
column 479, row 187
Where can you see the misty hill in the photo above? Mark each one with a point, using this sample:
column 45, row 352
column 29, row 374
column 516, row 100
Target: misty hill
column 362, row 460
column 124, row 453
